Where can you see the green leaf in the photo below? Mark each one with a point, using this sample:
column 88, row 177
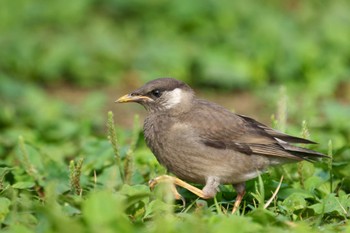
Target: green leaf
column 313, row 182
column 23, row 185
column 18, row 229
column 295, row 201
column 262, row 216
column 330, row 204
column 104, row 210
column 238, row 223
column 4, row 208
column 156, row 207
column 70, row 210
column 287, row 192
column 135, row 193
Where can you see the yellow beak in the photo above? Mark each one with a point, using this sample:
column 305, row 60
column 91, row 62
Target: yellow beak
column 132, row 98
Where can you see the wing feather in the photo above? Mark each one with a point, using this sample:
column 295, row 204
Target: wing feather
column 226, row 130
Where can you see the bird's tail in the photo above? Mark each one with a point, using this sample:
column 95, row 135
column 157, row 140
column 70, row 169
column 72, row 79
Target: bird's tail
column 303, row 153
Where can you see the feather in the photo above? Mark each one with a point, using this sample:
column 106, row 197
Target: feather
column 226, row 130
column 277, row 134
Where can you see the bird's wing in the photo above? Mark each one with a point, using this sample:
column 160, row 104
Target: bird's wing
column 275, row 133
column 219, row 128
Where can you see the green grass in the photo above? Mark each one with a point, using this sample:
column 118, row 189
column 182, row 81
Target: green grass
column 62, row 171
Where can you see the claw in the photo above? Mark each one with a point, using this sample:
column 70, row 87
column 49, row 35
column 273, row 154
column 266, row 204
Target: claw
column 183, row 201
column 152, row 183
column 176, row 181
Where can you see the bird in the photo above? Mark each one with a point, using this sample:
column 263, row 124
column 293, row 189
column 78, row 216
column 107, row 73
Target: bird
column 201, row 142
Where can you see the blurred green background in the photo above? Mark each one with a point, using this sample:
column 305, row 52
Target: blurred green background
column 223, row 43
column 63, row 63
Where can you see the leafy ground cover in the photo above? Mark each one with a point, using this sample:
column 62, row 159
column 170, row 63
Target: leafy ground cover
column 64, row 170
column 65, row 166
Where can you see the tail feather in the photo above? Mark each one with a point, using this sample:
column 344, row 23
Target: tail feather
column 284, row 140
column 276, row 134
column 303, row 153
column 288, row 138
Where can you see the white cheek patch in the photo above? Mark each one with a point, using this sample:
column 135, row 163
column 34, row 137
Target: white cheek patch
column 174, row 97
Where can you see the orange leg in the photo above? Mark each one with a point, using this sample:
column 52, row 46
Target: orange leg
column 178, row 182
column 209, row 190
column 240, row 189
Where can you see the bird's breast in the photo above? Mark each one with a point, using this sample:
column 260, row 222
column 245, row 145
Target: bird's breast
column 172, row 145
column 155, row 132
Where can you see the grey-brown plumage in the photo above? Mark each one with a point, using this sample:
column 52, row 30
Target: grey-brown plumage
column 204, row 143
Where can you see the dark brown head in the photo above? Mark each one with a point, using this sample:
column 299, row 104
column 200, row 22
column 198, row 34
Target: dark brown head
column 163, row 94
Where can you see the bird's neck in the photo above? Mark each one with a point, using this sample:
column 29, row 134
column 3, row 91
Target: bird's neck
column 187, row 103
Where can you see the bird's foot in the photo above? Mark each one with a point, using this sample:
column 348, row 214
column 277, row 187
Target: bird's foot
column 171, row 180
column 176, row 181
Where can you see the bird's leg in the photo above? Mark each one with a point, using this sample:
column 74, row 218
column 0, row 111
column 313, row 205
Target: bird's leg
column 211, row 187
column 209, row 190
column 171, row 181
column 240, row 189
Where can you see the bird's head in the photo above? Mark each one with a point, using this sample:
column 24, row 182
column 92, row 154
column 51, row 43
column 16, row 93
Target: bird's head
column 163, row 94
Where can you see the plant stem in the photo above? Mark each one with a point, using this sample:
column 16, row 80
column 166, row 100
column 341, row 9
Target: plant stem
column 330, row 164
column 112, row 137
column 128, row 164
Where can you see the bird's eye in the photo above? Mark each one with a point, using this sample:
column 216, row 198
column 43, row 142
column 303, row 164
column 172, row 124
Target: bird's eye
column 156, row 93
